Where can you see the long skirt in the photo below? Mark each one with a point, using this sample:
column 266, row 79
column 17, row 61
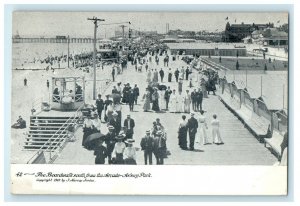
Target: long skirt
column 182, row 138
column 129, row 161
column 147, row 105
column 86, row 132
column 119, row 159
column 187, row 106
column 172, row 105
column 155, row 105
column 170, row 78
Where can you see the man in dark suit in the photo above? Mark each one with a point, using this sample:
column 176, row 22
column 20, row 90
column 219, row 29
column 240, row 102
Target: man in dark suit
column 113, row 74
column 159, row 147
column 161, row 74
column 129, row 125
column 110, row 140
column 176, row 74
column 194, row 99
column 131, row 98
column 168, row 93
column 199, row 99
column 100, row 105
column 115, row 122
column 187, row 72
column 192, row 127
column 147, row 144
column 106, row 103
column 136, row 92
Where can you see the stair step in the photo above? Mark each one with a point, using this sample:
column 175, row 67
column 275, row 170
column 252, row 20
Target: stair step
column 34, row 135
column 47, row 138
column 34, row 148
column 50, row 118
column 45, row 124
column 41, row 143
column 44, row 130
column 50, row 127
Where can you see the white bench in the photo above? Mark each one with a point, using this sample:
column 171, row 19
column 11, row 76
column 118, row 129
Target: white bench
column 259, row 125
column 244, row 113
column 275, row 142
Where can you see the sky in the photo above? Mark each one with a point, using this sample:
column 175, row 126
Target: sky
column 76, row 24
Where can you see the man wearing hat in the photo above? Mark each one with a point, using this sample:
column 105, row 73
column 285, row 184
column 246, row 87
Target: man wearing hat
column 107, row 102
column 192, row 128
column 129, row 153
column 159, row 147
column 117, row 154
column 100, row 106
column 129, row 124
column 115, row 122
column 100, row 152
column 199, row 99
column 110, row 140
column 147, row 144
column 131, row 98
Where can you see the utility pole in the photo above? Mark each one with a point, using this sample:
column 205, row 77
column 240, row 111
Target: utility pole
column 123, row 32
column 68, row 50
column 95, row 20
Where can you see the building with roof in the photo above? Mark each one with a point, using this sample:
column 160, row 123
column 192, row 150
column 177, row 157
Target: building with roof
column 237, row 32
column 275, row 37
column 206, row 49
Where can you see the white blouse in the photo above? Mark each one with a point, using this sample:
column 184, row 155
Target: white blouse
column 130, row 153
column 119, row 148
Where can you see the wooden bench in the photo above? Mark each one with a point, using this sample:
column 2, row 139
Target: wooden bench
column 275, row 143
column 244, row 113
column 259, row 125
column 229, row 102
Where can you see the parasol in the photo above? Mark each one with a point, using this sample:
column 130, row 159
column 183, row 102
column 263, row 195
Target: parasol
column 91, row 138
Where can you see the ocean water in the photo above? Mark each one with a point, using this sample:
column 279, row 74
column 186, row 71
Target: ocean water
column 29, row 55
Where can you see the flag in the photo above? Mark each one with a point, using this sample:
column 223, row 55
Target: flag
column 216, row 29
column 226, row 18
column 278, row 21
column 235, row 21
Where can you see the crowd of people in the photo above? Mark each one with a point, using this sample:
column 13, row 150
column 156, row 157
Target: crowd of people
column 117, row 144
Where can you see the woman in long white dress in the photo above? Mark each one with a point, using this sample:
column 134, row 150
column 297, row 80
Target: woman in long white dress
column 182, row 73
column 187, row 102
column 216, row 131
column 162, row 101
column 173, row 102
column 180, row 103
column 202, row 129
column 149, row 76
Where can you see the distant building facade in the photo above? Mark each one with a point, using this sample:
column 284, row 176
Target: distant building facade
column 237, row 32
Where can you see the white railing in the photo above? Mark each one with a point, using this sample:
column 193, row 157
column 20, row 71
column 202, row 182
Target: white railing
column 57, row 140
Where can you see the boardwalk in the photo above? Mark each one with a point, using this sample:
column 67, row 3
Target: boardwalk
column 240, row 148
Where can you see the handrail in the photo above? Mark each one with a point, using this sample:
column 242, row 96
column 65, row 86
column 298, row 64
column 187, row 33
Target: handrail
column 52, row 139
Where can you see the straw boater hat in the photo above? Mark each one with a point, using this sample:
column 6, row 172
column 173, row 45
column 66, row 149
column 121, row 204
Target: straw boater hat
column 148, row 131
column 159, row 132
column 115, row 114
column 110, row 127
column 122, row 133
column 120, row 137
column 129, row 141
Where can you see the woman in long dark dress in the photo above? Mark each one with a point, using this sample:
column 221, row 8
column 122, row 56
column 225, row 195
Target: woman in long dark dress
column 155, row 97
column 182, row 133
column 87, row 129
column 170, row 75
